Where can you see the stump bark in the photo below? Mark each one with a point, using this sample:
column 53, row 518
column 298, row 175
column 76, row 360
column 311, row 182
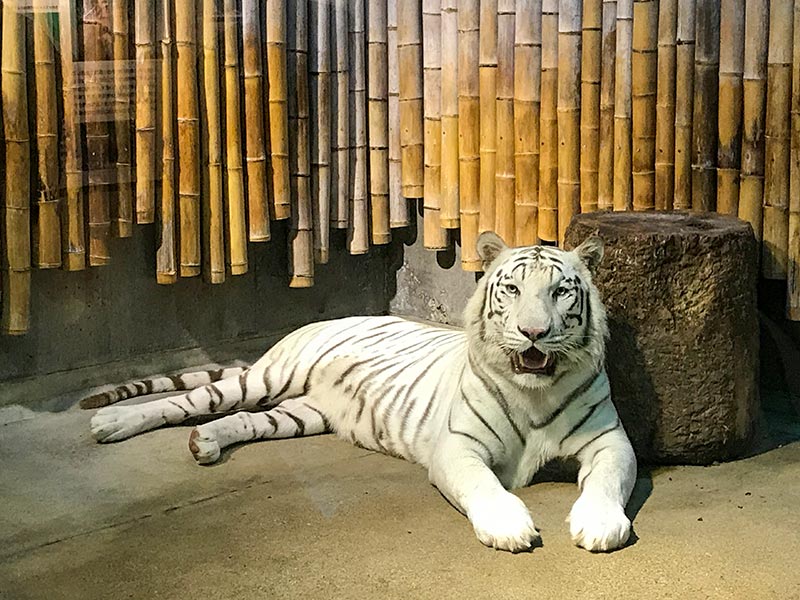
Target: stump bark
column 680, row 292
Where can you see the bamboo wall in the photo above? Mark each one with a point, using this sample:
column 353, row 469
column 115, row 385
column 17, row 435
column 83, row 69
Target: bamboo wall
column 212, row 119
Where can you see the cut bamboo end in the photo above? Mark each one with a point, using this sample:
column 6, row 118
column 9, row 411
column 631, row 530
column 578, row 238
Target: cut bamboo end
column 16, row 301
column 301, row 281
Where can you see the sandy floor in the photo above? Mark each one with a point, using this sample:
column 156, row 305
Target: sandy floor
column 316, row 517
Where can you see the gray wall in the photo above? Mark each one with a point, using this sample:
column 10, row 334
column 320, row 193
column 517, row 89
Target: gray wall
column 112, row 323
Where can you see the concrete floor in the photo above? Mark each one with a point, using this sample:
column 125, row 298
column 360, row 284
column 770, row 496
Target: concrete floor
column 316, row 517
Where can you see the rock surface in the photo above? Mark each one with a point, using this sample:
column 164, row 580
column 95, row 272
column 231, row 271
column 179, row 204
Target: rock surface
column 680, row 291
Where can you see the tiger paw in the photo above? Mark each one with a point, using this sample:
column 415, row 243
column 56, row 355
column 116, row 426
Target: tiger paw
column 115, row 423
column 204, row 446
column 598, row 525
column 503, row 522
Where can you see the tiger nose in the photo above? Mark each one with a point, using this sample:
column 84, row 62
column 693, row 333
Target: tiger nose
column 534, row 334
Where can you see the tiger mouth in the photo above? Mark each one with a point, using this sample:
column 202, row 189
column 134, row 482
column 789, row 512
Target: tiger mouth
column 533, row 361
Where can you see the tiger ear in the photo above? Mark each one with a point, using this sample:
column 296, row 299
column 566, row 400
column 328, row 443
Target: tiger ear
column 591, row 252
column 490, row 245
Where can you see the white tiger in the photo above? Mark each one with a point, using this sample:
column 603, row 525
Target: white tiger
column 483, row 409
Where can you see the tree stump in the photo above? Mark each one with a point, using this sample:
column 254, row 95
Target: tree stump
column 680, row 292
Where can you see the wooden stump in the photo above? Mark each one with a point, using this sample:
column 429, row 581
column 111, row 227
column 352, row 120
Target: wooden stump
column 680, row 291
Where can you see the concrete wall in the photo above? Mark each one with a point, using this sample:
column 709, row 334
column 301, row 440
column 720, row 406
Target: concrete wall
column 112, row 323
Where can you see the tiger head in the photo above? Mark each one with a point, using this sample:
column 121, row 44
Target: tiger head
column 536, row 312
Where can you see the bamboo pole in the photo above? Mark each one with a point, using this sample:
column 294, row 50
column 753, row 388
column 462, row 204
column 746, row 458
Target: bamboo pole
column 278, row 112
column 706, row 101
column 319, row 70
column 751, row 184
column 398, row 207
column 340, row 75
column 123, row 219
column 608, row 55
column 378, row 130
column 145, row 40
column 731, row 66
column 237, row 226
column 97, row 134
column 188, row 138
column 665, row 105
column 73, row 234
column 449, row 208
column 623, row 193
column 505, row 176
column 255, row 143
column 569, row 108
column 487, row 74
column 15, row 235
column 591, row 44
column 793, row 277
column 777, row 141
column 469, row 131
column 213, row 211
column 409, row 61
column 166, row 263
column 643, row 92
column 527, row 87
column 433, row 236
column 358, row 230
column 548, row 125
column 684, row 89
column 301, row 235
column 47, row 233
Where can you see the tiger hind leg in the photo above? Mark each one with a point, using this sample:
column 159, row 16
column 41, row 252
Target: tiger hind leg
column 294, row 417
column 115, row 423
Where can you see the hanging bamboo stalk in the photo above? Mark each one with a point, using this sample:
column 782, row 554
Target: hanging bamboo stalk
column 731, row 66
column 188, row 139
column 548, row 128
column 47, row 233
column 777, row 141
column 319, row 69
column 623, row 193
column 301, row 235
column 278, row 112
column 409, row 60
column 15, row 240
column 449, row 206
column 643, row 92
column 527, row 86
column 608, row 54
column 487, row 73
column 72, row 237
column 793, row 277
column 569, row 108
column 378, row 129
column 665, row 104
column 97, row 134
column 340, row 82
column 469, row 131
column 706, row 101
column 505, row 218
column 433, row 236
column 358, row 231
column 166, row 262
column 398, row 207
column 213, row 211
column 145, row 40
column 591, row 43
column 684, row 89
column 255, row 143
column 751, row 185
column 123, row 219
column 237, row 226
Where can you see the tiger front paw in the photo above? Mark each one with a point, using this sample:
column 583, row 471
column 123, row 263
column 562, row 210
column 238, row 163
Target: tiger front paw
column 204, row 446
column 598, row 524
column 115, row 423
column 503, row 522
